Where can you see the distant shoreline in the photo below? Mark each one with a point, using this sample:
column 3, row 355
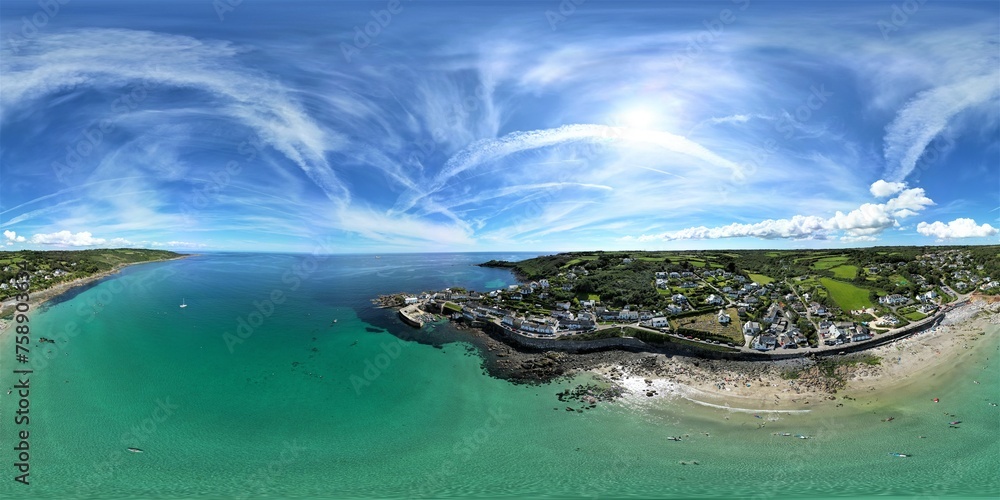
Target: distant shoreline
column 37, row 298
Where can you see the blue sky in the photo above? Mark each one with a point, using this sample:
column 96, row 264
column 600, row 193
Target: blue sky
column 384, row 126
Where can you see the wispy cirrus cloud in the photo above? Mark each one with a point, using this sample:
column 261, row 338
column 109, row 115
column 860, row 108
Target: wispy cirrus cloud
column 504, row 134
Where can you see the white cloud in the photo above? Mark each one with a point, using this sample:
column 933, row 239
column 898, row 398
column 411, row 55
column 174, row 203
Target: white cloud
column 908, row 201
column 177, row 244
column 117, row 57
column 797, row 227
column 487, row 151
column 860, row 224
column 883, row 189
column 12, row 237
column 81, row 239
column 958, row 228
column 927, row 115
column 852, row 239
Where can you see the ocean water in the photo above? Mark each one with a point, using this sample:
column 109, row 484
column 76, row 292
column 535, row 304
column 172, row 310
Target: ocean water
column 252, row 390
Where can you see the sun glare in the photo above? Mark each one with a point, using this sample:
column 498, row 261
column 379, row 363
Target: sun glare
column 637, row 117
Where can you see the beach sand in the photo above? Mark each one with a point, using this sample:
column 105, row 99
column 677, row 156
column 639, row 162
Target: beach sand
column 39, row 297
column 767, row 387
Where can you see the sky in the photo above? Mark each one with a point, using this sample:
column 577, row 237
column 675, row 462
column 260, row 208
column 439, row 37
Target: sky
column 409, row 126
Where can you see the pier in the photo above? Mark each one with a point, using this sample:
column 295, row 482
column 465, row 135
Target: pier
column 411, row 315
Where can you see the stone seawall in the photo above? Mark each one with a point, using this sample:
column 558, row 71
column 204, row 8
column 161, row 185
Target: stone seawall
column 673, row 348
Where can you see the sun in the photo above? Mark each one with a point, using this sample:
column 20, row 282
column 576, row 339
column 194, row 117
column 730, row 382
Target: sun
column 637, row 117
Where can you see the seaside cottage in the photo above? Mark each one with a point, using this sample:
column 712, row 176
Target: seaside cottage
column 724, row 318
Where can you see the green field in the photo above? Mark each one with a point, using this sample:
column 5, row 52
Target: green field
column 846, row 271
column 760, row 278
column 915, row 316
column 846, row 295
column 709, row 323
column 829, row 262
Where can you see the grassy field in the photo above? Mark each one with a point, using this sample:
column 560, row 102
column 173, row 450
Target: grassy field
column 846, row 271
column 846, row 295
column 760, row 278
column 709, row 322
column 579, row 260
column 915, row 316
column 829, row 262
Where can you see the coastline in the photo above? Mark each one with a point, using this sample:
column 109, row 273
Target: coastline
column 40, row 297
column 768, row 387
column 780, row 386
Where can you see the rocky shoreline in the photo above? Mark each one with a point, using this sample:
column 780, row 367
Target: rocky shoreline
column 779, row 384
column 525, row 367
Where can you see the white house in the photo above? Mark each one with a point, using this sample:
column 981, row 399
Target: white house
column 410, row 300
column 751, row 328
column 628, row 315
column 659, row 322
column 724, row 318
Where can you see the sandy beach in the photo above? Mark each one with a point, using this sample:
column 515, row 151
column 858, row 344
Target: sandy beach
column 39, row 297
column 761, row 387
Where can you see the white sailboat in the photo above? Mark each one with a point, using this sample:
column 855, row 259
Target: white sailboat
column 183, row 304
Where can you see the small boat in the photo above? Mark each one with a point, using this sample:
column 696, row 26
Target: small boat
column 183, row 304
column 800, row 436
column 134, row 450
column 674, row 438
column 954, row 422
column 900, row 455
column 936, row 400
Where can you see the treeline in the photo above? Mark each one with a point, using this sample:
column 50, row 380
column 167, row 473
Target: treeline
column 86, row 262
column 620, row 287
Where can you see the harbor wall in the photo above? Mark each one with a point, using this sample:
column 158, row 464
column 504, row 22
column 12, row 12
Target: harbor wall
column 674, row 348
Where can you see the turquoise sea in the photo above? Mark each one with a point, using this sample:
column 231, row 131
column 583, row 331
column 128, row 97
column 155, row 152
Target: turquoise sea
column 252, row 390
